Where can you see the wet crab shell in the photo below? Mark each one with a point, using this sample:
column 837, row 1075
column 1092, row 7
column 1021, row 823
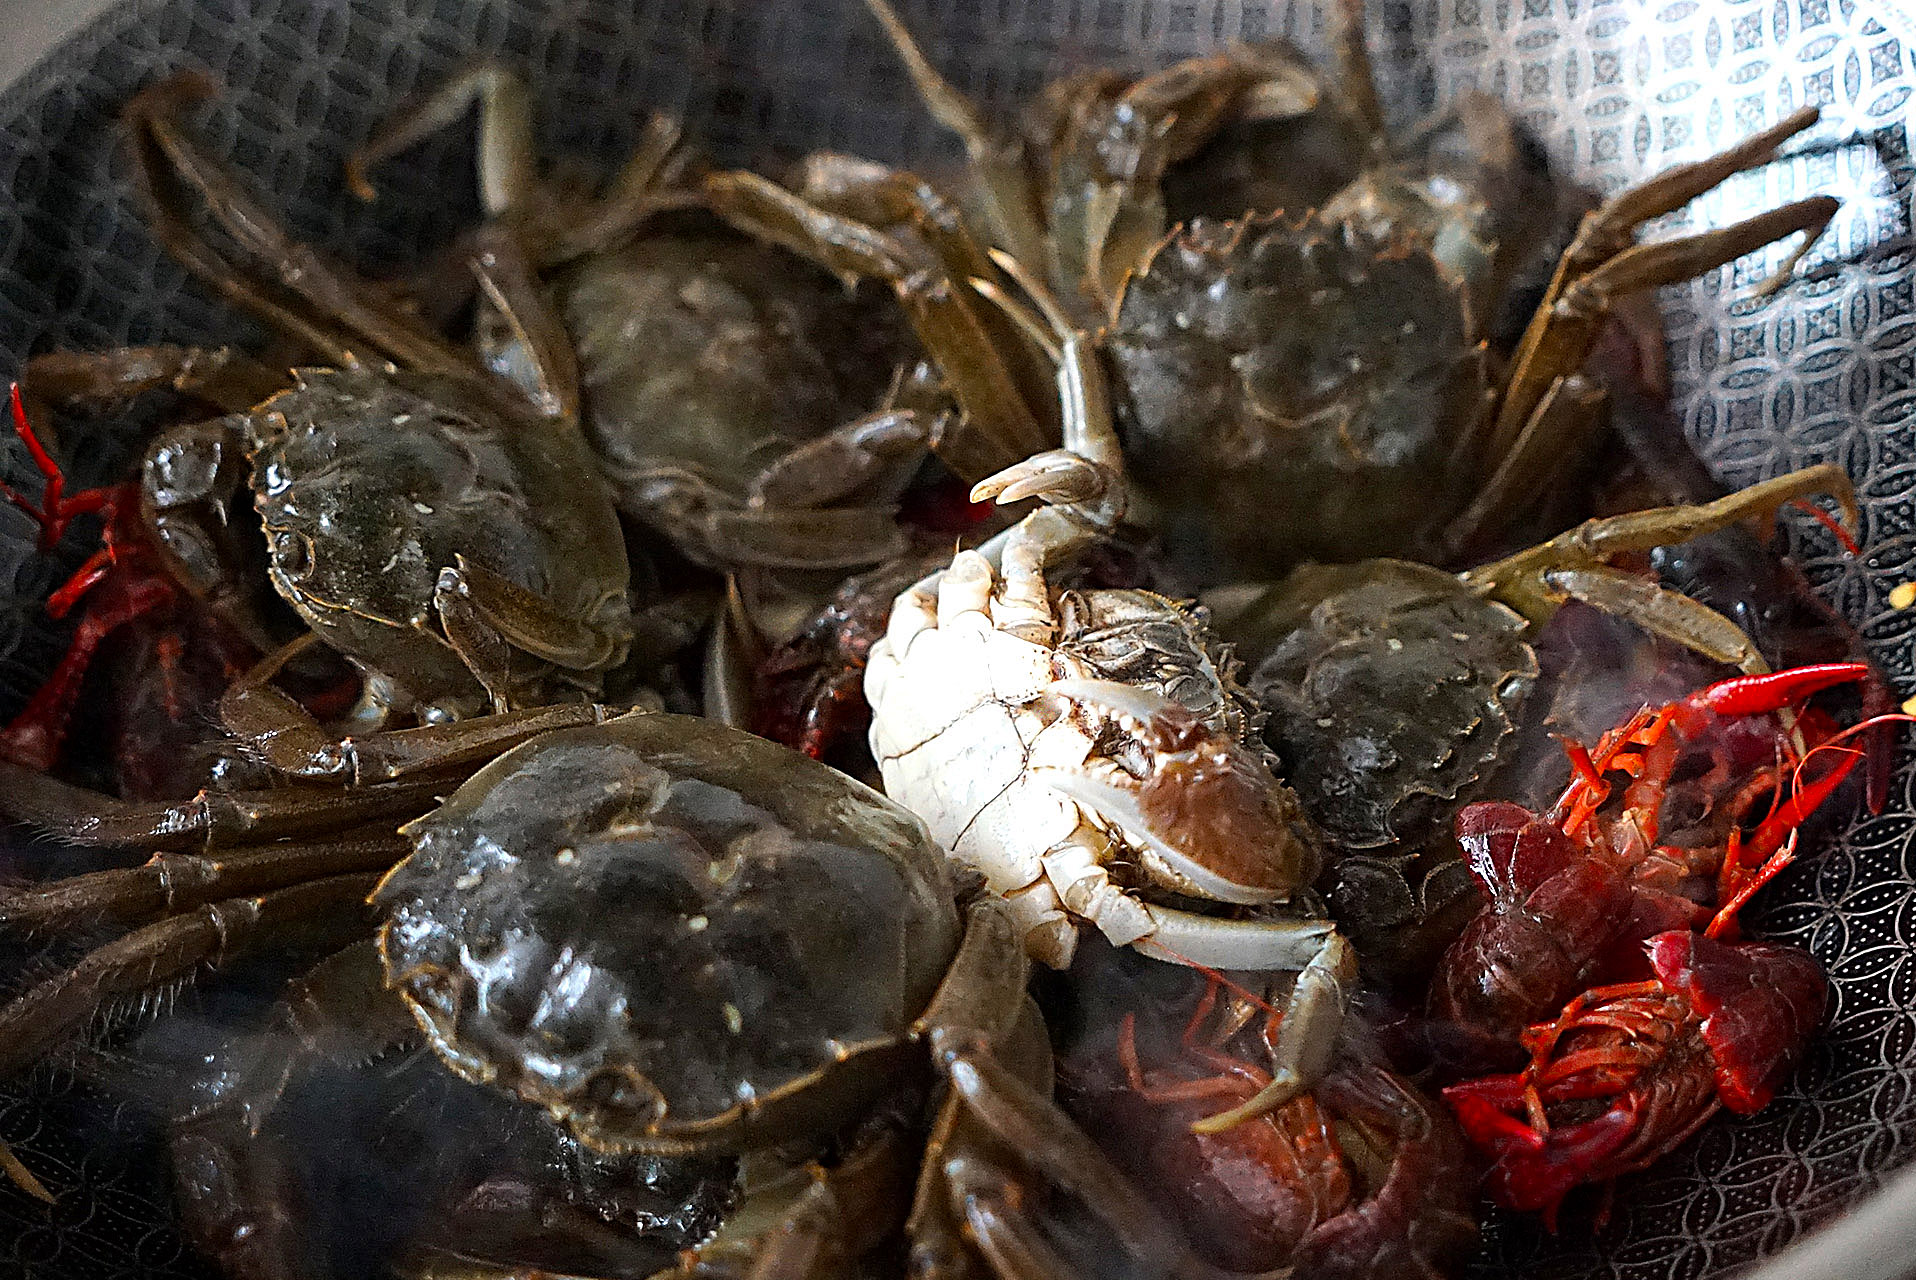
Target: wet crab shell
column 674, row 936
column 709, row 356
column 1389, row 689
column 371, row 482
column 1390, row 693
column 1280, row 357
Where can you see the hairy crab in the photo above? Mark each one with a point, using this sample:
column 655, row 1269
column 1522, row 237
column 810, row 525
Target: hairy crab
column 723, row 381
column 674, row 938
column 1302, row 355
column 1089, row 752
column 445, row 534
column 742, row 404
column 1336, row 347
column 1394, row 690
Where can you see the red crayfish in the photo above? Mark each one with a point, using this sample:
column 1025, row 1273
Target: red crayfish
column 1572, row 896
column 1610, row 930
column 165, row 654
column 185, row 655
column 1628, row 1072
column 1362, row 1176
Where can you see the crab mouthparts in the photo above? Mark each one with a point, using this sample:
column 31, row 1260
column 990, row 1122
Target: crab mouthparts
column 1208, row 819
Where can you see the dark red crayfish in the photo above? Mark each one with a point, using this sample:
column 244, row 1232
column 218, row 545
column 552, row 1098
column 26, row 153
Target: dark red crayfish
column 1629, row 1071
column 171, row 656
column 1360, row 1177
column 1572, row 897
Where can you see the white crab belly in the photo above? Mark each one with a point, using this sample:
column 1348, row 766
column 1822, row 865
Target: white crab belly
column 956, row 733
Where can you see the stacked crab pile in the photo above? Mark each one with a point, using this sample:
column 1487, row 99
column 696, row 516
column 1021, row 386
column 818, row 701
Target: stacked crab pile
column 425, row 669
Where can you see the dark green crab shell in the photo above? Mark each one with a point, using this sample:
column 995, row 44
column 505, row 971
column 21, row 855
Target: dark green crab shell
column 674, row 936
column 706, row 357
column 1292, row 390
column 371, row 481
column 1390, row 690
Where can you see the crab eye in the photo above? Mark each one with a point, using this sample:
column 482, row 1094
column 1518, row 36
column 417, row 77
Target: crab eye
column 293, row 555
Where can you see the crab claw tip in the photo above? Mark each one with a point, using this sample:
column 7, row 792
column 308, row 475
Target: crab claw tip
column 1059, row 476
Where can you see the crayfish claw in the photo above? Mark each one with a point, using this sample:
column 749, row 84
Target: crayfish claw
column 1754, row 695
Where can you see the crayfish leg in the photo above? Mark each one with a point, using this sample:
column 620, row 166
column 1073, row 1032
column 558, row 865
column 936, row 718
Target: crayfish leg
column 35, row 736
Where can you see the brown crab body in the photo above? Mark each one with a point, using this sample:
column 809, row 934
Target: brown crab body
column 371, row 483
column 1291, row 390
column 762, row 933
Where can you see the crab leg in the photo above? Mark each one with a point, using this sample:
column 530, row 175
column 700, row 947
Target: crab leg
column 1570, row 412
column 169, row 951
column 1356, row 74
column 355, row 313
column 549, row 373
column 1601, row 263
column 212, row 818
column 1082, row 484
column 169, row 884
column 222, row 376
column 1572, row 565
column 295, row 744
column 1307, row 1035
column 982, row 994
column 943, row 307
column 732, row 658
column 937, row 1234
column 1022, row 1120
column 847, row 461
column 508, row 158
column 1011, row 205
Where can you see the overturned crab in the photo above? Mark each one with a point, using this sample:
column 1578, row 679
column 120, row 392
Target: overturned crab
column 1089, row 753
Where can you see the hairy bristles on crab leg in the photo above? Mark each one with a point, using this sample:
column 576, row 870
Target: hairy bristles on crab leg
column 1046, row 770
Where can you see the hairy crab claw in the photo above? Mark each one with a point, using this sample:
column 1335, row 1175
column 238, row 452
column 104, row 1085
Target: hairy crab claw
column 1075, row 793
